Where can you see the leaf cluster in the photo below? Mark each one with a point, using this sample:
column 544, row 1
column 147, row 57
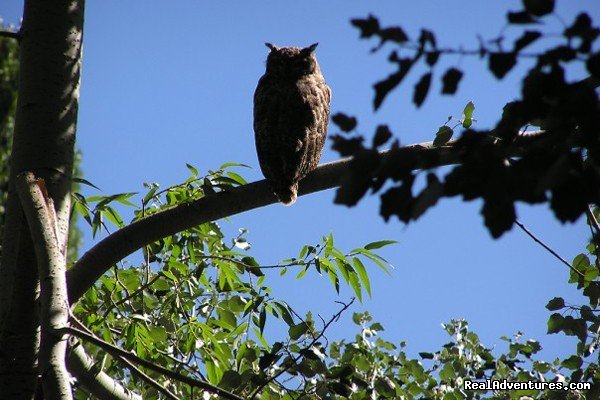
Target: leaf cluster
column 559, row 165
column 200, row 303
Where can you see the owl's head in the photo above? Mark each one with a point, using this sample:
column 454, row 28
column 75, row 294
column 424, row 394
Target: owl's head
column 292, row 62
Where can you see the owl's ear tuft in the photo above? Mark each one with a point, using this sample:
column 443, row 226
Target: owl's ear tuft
column 309, row 50
column 272, row 46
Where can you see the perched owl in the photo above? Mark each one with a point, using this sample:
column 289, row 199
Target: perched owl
column 291, row 113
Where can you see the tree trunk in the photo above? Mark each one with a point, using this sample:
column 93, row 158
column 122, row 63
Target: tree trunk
column 44, row 137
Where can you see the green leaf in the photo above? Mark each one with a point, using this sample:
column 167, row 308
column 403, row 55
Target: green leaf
column 150, row 194
column 302, row 273
column 231, row 380
column 362, row 274
column 285, row 312
column 443, row 135
column 377, row 327
column 555, row 323
column 303, row 252
column 236, row 177
column 113, row 216
column 328, row 245
column 192, row 169
column 170, row 275
column 556, row 303
column 233, row 164
column 158, row 334
column 468, row 115
column 355, row 284
column 295, row 331
column 378, row 260
column 261, row 338
column 340, row 372
column 574, row 362
column 228, row 317
column 85, row 182
column 379, row 244
column 262, row 320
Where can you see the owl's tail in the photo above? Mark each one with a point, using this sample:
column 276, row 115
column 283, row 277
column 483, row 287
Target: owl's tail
column 287, row 194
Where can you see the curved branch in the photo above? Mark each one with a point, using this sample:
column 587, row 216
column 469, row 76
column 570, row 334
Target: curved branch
column 116, row 351
column 100, row 384
column 237, row 200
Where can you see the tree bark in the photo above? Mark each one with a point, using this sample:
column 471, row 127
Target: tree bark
column 52, row 268
column 44, row 137
column 97, row 382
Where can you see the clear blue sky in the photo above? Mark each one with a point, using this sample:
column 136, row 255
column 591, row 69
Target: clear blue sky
column 164, row 85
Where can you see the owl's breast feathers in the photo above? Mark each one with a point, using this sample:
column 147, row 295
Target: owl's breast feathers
column 290, row 125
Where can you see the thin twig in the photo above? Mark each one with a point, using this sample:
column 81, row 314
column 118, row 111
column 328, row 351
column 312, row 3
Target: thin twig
column 116, row 351
column 595, row 228
column 335, row 317
column 593, row 220
column 545, row 246
column 11, row 35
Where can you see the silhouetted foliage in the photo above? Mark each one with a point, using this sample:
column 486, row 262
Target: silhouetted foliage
column 559, row 165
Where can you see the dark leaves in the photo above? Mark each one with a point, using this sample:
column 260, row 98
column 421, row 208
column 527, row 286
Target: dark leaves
column 565, row 202
column 499, row 215
column 421, row 89
column 432, row 58
column 382, row 135
column 521, row 17
column 551, row 172
column 560, row 53
column 556, row 303
column 398, row 201
column 443, row 135
column 394, row 34
column 539, row 8
column 582, row 28
column 593, row 65
column 344, row 122
column 450, row 80
column 346, row 147
column 368, row 27
column 357, row 179
column 383, row 88
column 428, row 197
column 500, row 63
column 427, row 37
column 526, row 39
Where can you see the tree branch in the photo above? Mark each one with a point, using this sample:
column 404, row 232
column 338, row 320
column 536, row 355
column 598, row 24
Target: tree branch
column 97, row 382
column 41, row 218
column 335, row 317
column 234, row 201
column 11, row 35
column 548, row 248
column 116, row 351
column 132, row 368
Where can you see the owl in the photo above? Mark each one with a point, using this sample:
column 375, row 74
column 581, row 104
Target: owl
column 291, row 113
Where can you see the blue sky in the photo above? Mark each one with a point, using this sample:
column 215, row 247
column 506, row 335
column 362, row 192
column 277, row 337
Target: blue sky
column 164, row 85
